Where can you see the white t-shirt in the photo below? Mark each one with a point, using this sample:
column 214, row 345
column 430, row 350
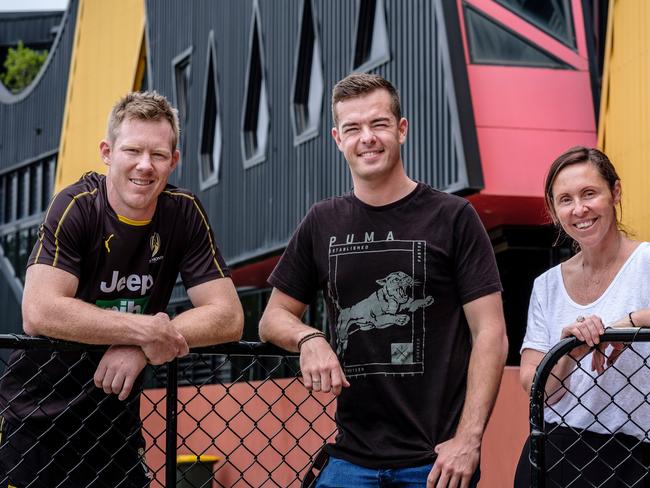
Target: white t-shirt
column 597, row 404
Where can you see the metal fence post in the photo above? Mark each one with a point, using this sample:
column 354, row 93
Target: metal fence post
column 171, row 418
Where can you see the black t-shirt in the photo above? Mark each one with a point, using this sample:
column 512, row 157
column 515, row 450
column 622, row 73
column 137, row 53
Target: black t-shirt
column 120, row 264
column 394, row 278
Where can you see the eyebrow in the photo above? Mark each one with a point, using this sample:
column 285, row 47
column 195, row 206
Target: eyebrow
column 129, row 145
column 373, row 121
column 346, row 125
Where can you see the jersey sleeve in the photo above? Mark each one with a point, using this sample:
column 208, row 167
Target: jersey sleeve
column 537, row 331
column 202, row 260
column 296, row 273
column 476, row 270
column 64, row 232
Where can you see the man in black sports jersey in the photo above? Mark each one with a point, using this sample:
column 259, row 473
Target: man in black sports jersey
column 102, row 271
column 413, row 296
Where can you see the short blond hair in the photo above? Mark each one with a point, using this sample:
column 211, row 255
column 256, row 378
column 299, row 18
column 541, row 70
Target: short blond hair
column 146, row 105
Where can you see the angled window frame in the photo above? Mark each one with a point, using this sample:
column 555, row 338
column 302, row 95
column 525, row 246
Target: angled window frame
column 206, row 181
column 569, row 40
column 182, row 60
column 310, row 130
column 382, row 58
column 263, row 108
column 470, row 9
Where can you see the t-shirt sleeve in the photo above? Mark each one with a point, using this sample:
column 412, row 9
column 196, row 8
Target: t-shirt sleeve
column 202, row 260
column 296, row 273
column 477, row 274
column 537, row 331
column 62, row 234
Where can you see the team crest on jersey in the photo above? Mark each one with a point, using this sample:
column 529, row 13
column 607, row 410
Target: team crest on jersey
column 154, row 245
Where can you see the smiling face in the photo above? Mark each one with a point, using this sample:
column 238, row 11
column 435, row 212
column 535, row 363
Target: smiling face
column 584, row 204
column 139, row 161
column 369, row 136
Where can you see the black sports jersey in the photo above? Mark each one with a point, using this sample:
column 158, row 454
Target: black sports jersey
column 124, row 265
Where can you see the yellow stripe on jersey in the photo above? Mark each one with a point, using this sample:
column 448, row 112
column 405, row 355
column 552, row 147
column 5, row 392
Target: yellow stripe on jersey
column 207, row 227
column 137, row 223
column 63, row 216
column 40, row 233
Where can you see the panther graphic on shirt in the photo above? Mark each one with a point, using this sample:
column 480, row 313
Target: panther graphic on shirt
column 384, row 308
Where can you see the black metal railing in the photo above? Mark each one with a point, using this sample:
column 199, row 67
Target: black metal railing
column 233, row 415
column 597, row 433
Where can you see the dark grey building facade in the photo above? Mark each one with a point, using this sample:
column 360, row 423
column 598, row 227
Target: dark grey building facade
column 30, row 131
column 255, row 148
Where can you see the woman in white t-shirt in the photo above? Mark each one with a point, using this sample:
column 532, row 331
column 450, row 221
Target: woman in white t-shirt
column 598, row 425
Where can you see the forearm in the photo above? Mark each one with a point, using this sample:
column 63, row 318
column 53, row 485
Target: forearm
column 556, row 382
column 210, row 324
column 72, row 319
column 283, row 328
column 485, row 370
column 635, row 318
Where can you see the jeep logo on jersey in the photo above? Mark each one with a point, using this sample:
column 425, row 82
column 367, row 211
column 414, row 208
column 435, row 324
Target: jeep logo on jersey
column 126, row 305
column 132, row 282
column 154, row 243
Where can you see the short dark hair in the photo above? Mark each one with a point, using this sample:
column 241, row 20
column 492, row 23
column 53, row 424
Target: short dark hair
column 146, row 105
column 359, row 84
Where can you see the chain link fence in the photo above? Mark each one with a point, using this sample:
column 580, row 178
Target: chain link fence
column 591, row 428
column 233, row 415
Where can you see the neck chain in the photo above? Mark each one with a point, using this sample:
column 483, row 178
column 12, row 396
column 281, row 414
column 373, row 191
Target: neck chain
column 594, row 279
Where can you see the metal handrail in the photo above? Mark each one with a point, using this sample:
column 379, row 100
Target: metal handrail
column 538, row 389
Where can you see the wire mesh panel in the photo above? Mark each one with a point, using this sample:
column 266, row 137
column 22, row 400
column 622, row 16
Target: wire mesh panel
column 235, row 415
column 590, row 413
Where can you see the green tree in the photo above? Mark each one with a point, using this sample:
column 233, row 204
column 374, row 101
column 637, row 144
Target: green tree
column 21, row 66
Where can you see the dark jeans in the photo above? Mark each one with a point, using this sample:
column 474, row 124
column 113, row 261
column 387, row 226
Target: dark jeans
column 338, row 473
column 580, row 458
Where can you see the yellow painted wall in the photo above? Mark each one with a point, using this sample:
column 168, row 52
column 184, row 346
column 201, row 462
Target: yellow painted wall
column 624, row 132
column 105, row 58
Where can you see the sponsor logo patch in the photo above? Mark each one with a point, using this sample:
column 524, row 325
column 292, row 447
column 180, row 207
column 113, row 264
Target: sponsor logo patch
column 126, row 305
column 134, row 282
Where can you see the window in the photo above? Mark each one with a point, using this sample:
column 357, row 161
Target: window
column 211, row 137
column 181, row 67
column 371, row 48
column 552, row 16
column 493, row 43
column 256, row 117
column 308, row 83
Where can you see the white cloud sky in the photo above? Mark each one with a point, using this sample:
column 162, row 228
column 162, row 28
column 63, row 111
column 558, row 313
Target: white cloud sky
column 30, row 5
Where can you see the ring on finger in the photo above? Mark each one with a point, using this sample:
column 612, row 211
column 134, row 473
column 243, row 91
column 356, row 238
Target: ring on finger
column 580, row 318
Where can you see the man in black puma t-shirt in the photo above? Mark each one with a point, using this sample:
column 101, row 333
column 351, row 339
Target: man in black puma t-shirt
column 414, row 307
column 102, row 271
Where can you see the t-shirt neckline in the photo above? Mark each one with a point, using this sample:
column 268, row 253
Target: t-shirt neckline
column 388, row 206
column 606, row 292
